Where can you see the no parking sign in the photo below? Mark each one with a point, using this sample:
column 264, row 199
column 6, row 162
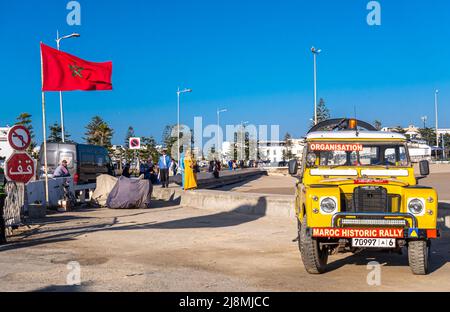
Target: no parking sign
column 135, row 143
column 19, row 138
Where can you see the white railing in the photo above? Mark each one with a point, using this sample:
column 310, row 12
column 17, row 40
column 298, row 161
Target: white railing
column 36, row 191
column 83, row 190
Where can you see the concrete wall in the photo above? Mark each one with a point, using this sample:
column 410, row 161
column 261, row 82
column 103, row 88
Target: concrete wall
column 225, row 201
column 248, row 203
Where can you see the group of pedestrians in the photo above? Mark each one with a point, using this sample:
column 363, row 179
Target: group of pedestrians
column 160, row 172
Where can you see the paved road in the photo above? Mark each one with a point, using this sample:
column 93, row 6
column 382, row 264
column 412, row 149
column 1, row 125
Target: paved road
column 173, row 248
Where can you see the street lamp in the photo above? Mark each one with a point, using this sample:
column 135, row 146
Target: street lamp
column 178, row 117
column 315, row 52
column 218, row 131
column 436, row 116
column 242, row 137
column 424, row 120
column 58, row 40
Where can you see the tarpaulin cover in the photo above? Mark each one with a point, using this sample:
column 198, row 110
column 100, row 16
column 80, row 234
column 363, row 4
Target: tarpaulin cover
column 104, row 185
column 130, row 193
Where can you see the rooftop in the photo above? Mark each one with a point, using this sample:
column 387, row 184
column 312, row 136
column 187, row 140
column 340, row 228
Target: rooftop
column 351, row 134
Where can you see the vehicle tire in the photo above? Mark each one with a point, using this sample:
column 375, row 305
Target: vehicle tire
column 314, row 258
column 419, row 256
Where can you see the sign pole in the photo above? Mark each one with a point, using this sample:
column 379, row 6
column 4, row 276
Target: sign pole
column 44, row 133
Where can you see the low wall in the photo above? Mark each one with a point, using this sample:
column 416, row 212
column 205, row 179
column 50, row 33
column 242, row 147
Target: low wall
column 227, row 201
column 248, row 203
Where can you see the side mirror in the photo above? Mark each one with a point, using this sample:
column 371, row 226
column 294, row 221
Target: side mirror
column 293, row 167
column 424, row 166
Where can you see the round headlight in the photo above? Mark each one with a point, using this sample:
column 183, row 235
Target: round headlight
column 311, row 158
column 328, row 205
column 415, row 206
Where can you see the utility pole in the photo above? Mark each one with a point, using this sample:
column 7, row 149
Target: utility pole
column 436, row 117
column 315, row 52
column 58, row 40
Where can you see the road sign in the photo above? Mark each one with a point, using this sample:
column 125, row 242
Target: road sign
column 19, row 138
column 135, row 143
column 20, row 167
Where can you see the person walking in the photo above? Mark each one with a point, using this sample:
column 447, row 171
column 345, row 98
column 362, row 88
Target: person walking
column 164, row 166
column 126, row 171
column 190, row 179
column 174, row 167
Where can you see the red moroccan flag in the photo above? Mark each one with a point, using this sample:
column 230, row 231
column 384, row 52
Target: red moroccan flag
column 65, row 72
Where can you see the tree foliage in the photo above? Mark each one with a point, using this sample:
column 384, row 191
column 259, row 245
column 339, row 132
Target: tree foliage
column 323, row 113
column 428, row 135
column 98, row 132
column 287, row 152
column 55, row 134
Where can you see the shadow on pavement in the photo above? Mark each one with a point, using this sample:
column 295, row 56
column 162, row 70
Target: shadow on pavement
column 222, row 219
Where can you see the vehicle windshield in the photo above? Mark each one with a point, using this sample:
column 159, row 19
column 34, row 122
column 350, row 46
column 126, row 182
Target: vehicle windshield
column 359, row 154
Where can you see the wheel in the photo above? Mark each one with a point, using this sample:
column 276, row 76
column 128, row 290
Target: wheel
column 419, row 257
column 314, row 258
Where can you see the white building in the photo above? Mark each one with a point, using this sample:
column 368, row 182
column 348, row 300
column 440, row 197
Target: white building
column 5, row 149
column 271, row 150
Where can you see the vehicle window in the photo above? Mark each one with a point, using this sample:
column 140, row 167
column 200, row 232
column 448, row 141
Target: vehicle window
column 396, row 156
column 88, row 158
column 68, row 156
column 100, row 160
column 368, row 155
column 51, row 157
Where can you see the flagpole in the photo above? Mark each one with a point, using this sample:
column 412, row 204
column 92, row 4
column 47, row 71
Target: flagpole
column 44, row 133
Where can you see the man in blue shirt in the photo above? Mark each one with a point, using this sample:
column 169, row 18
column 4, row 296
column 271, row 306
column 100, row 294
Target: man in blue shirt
column 164, row 166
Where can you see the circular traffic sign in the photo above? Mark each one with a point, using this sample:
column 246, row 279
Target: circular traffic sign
column 135, row 143
column 20, row 167
column 19, row 138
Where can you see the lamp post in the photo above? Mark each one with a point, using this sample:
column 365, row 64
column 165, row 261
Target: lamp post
column 436, row 115
column 58, row 41
column 315, row 52
column 178, row 117
column 219, row 149
column 424, row 120
column 242, row 136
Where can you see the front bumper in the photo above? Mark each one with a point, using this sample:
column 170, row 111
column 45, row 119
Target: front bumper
column 403, row 220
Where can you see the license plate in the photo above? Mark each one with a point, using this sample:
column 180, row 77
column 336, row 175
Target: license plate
column 373, row 242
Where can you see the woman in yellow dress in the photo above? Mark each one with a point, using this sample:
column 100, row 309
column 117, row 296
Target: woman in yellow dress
column 190, row 180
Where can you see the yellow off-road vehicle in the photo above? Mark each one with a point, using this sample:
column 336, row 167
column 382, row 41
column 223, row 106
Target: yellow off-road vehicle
column 357, row 190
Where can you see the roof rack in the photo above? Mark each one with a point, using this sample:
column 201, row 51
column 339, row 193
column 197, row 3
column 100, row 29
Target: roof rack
column 339, row 124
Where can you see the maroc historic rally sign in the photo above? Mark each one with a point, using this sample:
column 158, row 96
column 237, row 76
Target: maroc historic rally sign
column 361, row 233
column 336, row 147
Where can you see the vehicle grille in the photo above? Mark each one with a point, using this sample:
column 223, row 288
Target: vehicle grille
column 373, row 222
column 370, row 199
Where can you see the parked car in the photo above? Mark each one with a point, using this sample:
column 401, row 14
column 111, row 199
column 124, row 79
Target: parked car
column 85, row 162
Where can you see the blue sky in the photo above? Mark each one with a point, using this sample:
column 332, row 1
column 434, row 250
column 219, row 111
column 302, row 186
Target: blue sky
column 252, row 57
